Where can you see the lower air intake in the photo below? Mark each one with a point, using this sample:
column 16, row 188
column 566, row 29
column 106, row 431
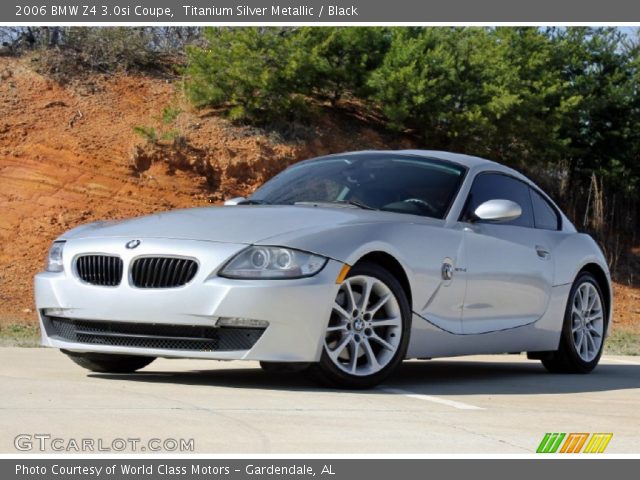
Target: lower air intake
column 150, row 335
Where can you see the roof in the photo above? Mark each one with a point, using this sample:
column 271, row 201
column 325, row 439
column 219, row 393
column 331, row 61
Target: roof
column 459, row 158
column 465, row 160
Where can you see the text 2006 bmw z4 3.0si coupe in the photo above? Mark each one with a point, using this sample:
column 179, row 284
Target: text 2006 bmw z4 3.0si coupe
column 341, row 266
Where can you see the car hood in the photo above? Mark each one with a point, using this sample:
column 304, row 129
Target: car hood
column 245, row 224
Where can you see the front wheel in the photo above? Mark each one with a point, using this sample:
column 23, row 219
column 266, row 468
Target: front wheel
column 109, row 363
column 368, row 330
column 585, row 324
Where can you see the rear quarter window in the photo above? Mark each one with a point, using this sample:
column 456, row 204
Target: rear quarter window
column 544, row 214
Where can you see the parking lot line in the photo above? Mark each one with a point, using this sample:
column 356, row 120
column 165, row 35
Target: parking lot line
column 432, row 399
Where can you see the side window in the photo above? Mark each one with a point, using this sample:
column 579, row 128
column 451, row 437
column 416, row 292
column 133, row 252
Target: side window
column 545, row 216
column 495, row 186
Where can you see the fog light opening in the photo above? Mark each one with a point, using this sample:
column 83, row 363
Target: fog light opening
column 238, row 322
column 54, row 312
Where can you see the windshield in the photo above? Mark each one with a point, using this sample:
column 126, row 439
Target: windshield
column 394, row 183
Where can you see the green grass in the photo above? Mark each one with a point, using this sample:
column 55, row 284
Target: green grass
column 148, row 133
column 19, row 335
column 170, row 114
column 622, row 342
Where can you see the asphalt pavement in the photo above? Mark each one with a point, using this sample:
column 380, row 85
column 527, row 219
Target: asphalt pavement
column 479, row 404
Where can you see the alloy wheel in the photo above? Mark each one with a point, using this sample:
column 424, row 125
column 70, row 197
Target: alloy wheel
column 365, row 327
column 587, row 321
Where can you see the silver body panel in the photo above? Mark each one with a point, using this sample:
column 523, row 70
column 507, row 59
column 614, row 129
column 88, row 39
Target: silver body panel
column 504, row 296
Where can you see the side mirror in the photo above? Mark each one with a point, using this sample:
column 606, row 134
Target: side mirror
column 235, row 201
column 498, row 211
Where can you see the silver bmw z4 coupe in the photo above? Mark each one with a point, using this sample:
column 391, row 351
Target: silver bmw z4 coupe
column 340, row 266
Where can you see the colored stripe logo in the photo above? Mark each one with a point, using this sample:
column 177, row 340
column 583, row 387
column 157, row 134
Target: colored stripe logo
column 574, row 443
column 598, row 442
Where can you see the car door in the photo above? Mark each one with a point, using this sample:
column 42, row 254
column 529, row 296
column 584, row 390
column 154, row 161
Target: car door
column 509, row 264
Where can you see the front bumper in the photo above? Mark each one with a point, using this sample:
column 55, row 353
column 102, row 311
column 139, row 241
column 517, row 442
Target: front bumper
column 297, row 311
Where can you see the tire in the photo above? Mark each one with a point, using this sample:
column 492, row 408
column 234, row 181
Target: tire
column 572, row 356
column 357, row 336
column 109, row 363
column 283, row 367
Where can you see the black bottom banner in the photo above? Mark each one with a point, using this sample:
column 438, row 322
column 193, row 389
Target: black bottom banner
column 338, row 469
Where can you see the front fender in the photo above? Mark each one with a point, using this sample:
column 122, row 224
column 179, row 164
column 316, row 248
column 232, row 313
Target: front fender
column 419, row 248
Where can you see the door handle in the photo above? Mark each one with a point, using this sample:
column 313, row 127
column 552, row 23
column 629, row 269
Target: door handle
column 542, row 251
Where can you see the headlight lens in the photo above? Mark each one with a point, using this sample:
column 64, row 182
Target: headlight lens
column 272, row 263
column 54, row 259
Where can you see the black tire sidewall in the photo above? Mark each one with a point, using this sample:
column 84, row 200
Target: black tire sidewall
column 108, row 363
column 337, row 377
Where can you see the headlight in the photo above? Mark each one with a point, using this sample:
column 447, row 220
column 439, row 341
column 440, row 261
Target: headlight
column 54, row 260
column 272, row 263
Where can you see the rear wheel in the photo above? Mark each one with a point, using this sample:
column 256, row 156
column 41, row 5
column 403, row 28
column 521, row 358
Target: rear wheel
column 109, row 363
column 368, row 330
column 585, row 323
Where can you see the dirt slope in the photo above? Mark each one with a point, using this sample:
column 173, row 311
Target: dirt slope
column 66, row 155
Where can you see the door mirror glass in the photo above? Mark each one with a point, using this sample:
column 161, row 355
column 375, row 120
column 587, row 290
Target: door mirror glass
column 498, row 211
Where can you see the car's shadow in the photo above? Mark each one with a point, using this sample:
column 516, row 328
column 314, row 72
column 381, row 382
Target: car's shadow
column 438, row 377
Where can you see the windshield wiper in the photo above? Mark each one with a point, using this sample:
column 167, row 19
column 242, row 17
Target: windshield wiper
column 250, row 201
column 354, row 203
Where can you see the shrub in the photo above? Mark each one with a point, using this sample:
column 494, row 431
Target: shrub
column 248, row 71
column 268, row 75
column 148, row 133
